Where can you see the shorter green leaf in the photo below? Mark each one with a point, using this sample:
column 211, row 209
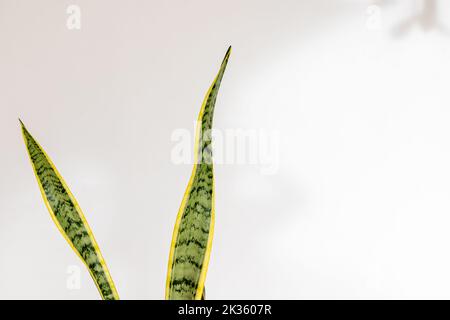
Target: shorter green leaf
column 68, row 217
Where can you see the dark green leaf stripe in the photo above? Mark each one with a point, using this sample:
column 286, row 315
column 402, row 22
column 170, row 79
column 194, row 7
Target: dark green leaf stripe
column 192, row 237
column 68, row 216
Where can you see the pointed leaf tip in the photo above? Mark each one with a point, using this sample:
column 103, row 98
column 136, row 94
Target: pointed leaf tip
column 228, row 51
column 22, row 125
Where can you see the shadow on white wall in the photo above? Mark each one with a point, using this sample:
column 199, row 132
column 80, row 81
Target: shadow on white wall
column 424, row 15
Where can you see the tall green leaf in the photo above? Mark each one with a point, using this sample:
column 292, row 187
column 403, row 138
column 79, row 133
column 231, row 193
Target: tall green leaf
column 192, row 236
column 68, row 217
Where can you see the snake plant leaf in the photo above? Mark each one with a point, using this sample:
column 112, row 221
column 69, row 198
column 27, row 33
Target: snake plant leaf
column 194, row 227
column 68, row 217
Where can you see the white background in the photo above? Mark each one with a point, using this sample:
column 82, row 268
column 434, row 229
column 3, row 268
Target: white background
column 360, row 204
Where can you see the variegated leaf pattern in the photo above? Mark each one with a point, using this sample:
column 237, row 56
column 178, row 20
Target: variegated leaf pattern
column 68, row 216
column 194, row 227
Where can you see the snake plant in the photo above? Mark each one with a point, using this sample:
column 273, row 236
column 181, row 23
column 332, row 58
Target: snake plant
column 68, row 217
column 194, row 226
column 192, row 236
